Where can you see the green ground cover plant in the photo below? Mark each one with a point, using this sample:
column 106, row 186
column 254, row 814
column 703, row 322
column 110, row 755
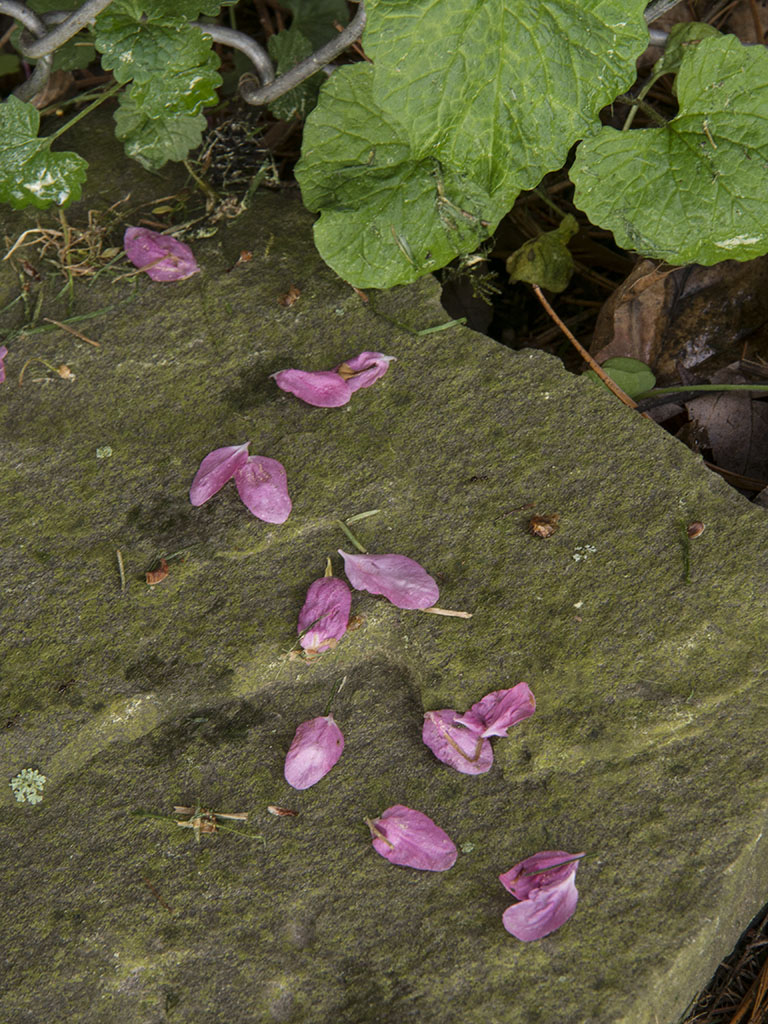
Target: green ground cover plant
column 413, row 158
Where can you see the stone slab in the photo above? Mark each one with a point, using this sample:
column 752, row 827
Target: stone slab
column 647, row 749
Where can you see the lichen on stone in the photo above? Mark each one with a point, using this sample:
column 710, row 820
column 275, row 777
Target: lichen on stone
column 28, row 785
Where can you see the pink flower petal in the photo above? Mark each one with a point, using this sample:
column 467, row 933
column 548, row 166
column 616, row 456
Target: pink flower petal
column 545, row 885
column 401, row 580
column 316, row 747
column 323, row 388
column 164, row 258
column 463, row 750
column 216, row 468
column 543, row 913
column 263, row 488
column 363, row 370
column 410, row 838
column 497, row 711
column 549, row 867
column 325, row 614
column 3, row 354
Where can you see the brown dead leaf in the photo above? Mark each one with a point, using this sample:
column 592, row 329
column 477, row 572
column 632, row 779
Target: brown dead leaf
column 735, row 425
column 290, row 296
column 681, row 316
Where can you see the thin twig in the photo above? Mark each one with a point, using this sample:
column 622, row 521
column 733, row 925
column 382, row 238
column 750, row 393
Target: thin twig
column 759, row 34
column 121, row 567
column 448, row 611
column 156, row 894
column 583, row 352
column 71, row 330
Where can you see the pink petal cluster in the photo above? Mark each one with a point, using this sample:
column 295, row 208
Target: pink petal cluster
column 545, row 886
column 3, row 354
column 316, row 747
column 401, row 580
column 461, row 741
column 410, row 838
column 164, row 258
column 331, row 388
column 324, row 617
column 261, row 482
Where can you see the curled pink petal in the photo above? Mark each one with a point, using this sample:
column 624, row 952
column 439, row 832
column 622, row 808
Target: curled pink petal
column 541, row 869
column 410, row 838
column 316, row 747
column 324, row 618
column 454, row 745
column 216, row 468
column 497, row 711
column 363, row 370
column 545, row 886
column 324, row 388
column 263, row 488
column 401, row 580
column 3, row 354
column 164, row 258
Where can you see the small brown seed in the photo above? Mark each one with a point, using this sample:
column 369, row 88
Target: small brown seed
column 695, row 530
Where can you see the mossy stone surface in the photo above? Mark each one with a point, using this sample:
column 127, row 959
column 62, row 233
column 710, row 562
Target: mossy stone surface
column 646, row 657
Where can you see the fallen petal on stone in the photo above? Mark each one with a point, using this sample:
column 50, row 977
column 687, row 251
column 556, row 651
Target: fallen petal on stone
column 411, row 839
column 462, row 749
column 497, row 711
column 401, row 580
column 364, row 370
column 263, row 488
column 324, row 388
column 549, row 867
column 216, row 468
column 325, row 614
column 545, row 885
column 543, row 912
column 316, row 747
column 164, row 258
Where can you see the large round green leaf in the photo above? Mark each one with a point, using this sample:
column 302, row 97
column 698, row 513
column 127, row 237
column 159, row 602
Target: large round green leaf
column 386, row 218
column 501, row 88
column 695, row 190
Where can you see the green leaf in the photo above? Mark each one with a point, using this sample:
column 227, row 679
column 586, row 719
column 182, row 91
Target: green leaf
column 174, row 60
column 693, row 191
column 501, row 88
column 681, row 38
column 386, row 218
column 632, row 376
column 546, row 260
column 9, row 64
column 286, row 49
column 30, row 174
column 153, row 141
column 315, row 18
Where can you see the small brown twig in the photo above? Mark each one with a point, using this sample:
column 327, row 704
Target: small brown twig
column 71, row 330
column 156, row 894
column 759, row 34
column 583, row 352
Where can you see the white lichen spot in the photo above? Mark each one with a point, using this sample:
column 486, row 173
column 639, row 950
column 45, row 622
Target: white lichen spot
column 28, row 785
column 104, row 452
column 582, row 554
column 734, row 243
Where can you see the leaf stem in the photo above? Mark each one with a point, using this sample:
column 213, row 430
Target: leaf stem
column 86, row 110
